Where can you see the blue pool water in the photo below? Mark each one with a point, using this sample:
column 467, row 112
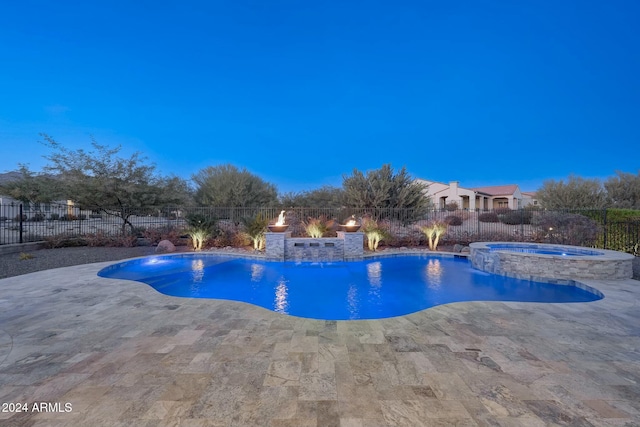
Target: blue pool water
column 543, row 250
column 370, row 289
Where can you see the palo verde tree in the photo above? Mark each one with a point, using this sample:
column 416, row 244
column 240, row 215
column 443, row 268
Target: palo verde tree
column 382, row 188
column 103, row 181
column 576, row 193
column 228, row 186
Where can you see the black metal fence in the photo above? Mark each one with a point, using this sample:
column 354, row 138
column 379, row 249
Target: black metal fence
column 596, row 228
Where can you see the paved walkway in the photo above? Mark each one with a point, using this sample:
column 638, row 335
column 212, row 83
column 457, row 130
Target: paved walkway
column 121, row 354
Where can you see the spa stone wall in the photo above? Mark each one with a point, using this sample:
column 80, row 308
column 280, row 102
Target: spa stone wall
column 534, row 267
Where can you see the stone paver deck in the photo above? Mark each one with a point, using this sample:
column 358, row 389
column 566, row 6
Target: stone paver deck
column 121, row 354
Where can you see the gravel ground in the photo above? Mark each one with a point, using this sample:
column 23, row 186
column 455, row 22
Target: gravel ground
column 45, row 259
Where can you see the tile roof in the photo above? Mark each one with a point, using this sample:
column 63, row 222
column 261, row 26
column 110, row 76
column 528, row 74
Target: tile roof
column 498, row 190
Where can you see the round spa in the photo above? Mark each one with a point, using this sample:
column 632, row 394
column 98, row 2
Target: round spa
column 561, row 262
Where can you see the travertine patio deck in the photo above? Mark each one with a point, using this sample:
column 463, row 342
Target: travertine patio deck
column 124, row 355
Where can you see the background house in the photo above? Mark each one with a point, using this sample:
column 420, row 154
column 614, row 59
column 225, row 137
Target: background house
column 478, row 198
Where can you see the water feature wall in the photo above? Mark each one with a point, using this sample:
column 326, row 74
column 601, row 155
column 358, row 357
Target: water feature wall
column 348, row 246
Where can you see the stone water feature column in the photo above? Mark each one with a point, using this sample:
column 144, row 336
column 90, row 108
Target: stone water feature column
column 353, row 245
column 274, row 245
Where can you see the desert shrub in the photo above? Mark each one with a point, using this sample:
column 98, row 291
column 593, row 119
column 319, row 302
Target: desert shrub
column 501, row 211
column 453, row 220
column 408, row 238
column 451, row 206
column 81, row 217
column 516, row 217
column 63, row 241
column 3, row 218
column 54, row 217
column 169, row 232
column 567, row 228
column 488, row 217
column 227, row 233
column 68, row 217
column 95, row 216
column 17, row 218
column 102, row 239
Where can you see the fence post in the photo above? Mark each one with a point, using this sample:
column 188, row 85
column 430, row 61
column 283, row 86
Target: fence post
column 604, row 225
column 20, row 219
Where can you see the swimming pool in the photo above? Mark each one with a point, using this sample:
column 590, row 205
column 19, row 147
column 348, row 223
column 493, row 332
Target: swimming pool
column 370, row 289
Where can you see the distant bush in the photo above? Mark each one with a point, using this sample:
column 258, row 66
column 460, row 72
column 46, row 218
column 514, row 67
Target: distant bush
column 3, row 218
column 453, row 220
column 488, row 217
column 95, row 216
column 516, row 217
column 81, row 217
column 38, row 217
column 68, row 217
column 17, row 218
column 451, row 206
column 567, row 228
column 54, row 217
column 501, row 211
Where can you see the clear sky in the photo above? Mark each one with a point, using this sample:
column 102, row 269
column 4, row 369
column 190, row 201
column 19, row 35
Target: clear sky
column 302, row 92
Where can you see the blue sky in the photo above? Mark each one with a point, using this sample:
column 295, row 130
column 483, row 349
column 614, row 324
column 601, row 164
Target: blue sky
column 300, row 93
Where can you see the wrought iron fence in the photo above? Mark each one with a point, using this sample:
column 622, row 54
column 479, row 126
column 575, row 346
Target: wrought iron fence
column 27, row 222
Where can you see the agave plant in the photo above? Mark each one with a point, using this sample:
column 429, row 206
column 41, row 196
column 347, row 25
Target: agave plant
column 255, row 229
column 433, row 231
column 375, row 234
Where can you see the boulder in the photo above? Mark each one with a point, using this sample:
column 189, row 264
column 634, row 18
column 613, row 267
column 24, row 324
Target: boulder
column 457, row 248
column 165, row 246
column 466, row 250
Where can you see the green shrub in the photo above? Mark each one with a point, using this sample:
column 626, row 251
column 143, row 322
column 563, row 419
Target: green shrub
column 488, row 217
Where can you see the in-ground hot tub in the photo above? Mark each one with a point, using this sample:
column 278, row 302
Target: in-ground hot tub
column 536, row 261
